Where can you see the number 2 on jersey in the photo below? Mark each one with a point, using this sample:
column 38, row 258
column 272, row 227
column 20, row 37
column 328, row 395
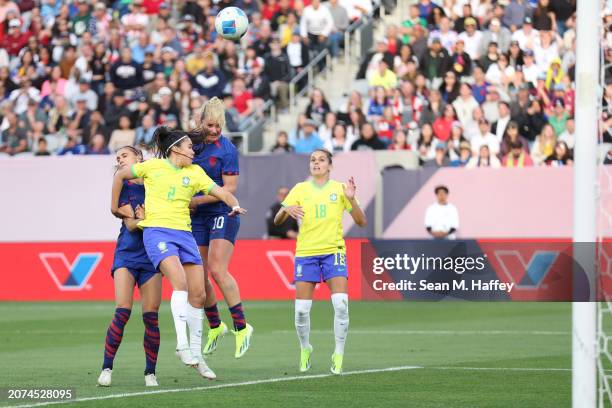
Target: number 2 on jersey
column 171, row 193
column 320, row 210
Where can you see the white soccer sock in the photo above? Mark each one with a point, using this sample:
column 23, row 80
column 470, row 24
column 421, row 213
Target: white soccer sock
column 341, row 320
column 195, row 317
column 302, row 321
column 178, row 305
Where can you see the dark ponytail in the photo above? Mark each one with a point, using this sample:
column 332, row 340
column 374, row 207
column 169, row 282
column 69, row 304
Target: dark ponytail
column 165, row 138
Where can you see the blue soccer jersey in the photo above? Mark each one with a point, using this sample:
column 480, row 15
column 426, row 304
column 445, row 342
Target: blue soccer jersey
column 217, row 159
column 130, row 248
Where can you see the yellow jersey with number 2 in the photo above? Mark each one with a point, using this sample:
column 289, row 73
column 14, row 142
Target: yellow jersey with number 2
column 321, row 228
column 168, row 191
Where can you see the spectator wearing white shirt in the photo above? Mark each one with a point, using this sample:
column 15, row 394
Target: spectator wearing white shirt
column 471, row 38
column 545, row 52
column 442, row 217
column 527, row 37
column 465, row 104
column 316, row 25
column 446, row 34
column 530, row 69
column 485, row 138
column 357, row 8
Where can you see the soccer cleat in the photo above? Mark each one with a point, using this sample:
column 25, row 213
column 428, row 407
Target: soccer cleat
column 105, row 378
column 243, row 340
column 204, row 370
column 213, row 338
column 305, row 355
column 336, row 367
column 186, row 357
column 151, row 380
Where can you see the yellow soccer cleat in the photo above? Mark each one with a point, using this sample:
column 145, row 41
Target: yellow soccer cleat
column 305, row 355
column 243, row 340
column 213, row 338
column 336, row 367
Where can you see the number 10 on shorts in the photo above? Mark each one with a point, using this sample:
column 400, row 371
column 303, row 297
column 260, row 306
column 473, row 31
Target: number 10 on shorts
column 218, row 222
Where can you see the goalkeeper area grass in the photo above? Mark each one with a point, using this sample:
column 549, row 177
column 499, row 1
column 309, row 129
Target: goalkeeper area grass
column 445, row 354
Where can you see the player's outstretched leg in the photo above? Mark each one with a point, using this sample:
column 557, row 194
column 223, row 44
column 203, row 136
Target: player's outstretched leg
column 302, row 327
column 242, row 330
column 217, row 261
column 114, row 335
column 217, row 329
column 195, row 316
column 341, row 326
column 178, row 306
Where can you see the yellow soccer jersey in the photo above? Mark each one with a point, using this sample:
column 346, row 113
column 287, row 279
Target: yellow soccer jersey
column 168, row 191
column 321, row 228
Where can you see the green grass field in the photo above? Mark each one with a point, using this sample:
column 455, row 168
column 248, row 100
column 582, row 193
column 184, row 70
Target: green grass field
column 466, row 354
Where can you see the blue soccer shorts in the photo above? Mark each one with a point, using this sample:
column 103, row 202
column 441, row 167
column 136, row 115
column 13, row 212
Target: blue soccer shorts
column 320, row 268
column 220, row 226
column 161, row 243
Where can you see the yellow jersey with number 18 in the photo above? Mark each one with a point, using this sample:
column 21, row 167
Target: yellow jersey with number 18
column 321, row 228
column 168, row 191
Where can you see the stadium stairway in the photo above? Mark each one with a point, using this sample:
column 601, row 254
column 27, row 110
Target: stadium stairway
column 336, row 86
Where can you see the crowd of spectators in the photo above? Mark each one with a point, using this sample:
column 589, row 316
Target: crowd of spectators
column 463, row 83
column 87, row 76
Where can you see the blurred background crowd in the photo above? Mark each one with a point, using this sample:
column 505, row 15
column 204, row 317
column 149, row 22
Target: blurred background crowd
column 460, row 82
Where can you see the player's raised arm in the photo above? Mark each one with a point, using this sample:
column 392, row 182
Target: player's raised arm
column 356, row 212
column 228, row 198
column 124, row 173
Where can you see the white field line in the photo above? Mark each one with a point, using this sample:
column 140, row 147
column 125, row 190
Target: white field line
column 284, row 379
column 214, row 387
column 446, row 332
column 499, row 368
column 352, row 331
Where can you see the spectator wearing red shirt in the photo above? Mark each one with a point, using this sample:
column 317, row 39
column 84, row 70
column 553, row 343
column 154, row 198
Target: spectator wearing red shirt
column 15, row 40
column 152, row 6
column 242, row 97
column 269, row 9
column 387, row 125
column 443, row 125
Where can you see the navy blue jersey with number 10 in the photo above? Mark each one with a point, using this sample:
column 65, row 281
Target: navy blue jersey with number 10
column 217, row 159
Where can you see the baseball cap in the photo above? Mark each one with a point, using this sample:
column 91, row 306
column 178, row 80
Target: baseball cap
column 470, row 21
column 167, row 49
column 164, row 6
column 528, row 53
column 171, row 117
column 188, row 17
column 14, row 23
column 527, row 20
column 100, row 6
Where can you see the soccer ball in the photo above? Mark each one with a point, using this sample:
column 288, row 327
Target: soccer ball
column 231, row 23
